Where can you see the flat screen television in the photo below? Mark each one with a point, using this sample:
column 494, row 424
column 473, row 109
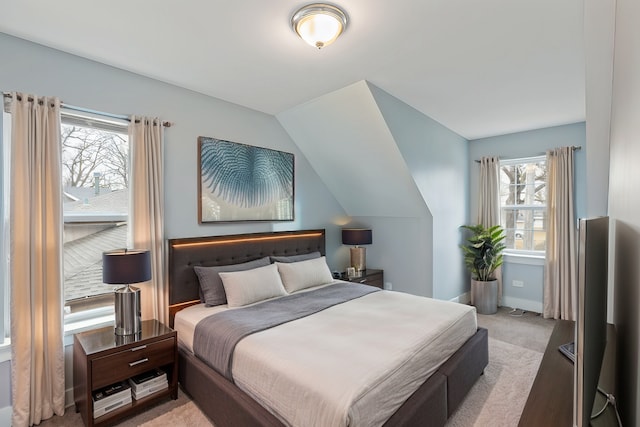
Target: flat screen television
column 591, row 323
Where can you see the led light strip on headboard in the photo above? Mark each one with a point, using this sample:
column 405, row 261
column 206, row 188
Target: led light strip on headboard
column 247, row 239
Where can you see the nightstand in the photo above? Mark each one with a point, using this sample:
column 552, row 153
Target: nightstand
column 101, row 358
column 368, row 277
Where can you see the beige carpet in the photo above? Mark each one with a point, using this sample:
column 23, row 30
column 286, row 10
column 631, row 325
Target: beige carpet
column 497, row 399
column 185, row 415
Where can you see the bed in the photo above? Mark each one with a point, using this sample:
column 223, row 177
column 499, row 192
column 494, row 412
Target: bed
column 438, row 389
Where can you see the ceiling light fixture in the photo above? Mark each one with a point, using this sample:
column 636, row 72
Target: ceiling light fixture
column 319, row 24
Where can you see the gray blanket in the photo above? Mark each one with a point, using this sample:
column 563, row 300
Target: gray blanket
column 216, row 336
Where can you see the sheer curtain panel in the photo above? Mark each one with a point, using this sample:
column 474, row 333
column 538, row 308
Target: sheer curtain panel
column 560, row 281
column 146, row 206
column 35, row 240
column 489, row 203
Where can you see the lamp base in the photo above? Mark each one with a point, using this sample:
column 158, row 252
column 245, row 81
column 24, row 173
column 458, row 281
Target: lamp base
column 127, row 308
column 358, row 258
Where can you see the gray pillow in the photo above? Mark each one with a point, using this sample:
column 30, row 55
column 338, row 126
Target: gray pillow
column 296, row 258
column 211, row 287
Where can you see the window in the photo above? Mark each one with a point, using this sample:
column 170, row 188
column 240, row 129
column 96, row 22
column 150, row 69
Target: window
column 95, row 180
column 5, row 125
column 523, row 203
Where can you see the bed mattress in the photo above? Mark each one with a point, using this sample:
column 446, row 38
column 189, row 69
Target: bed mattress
column 352, row 364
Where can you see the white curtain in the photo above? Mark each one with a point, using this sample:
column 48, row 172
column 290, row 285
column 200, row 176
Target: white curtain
column 35, row 241
column 146, row 205
column 560, row 283
column 489, row 203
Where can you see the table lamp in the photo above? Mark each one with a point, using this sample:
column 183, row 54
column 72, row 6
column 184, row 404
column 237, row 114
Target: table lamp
column 124, row 267
column 357, row 236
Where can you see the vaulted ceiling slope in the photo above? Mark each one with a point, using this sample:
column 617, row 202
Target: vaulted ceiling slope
column 380, row 157
column 480, row 68
column 384, row 160
column 345, row 138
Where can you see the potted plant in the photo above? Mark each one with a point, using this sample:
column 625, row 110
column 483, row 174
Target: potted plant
column 482, row 256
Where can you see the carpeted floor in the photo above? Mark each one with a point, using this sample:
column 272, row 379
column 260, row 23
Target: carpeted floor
column 516, row 344
column 524, row 329
column 517, row 341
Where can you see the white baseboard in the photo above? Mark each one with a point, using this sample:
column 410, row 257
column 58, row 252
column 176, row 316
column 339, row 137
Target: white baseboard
column 523, row 304
column 462, row 299
column 5, row 416
column 68, row 398
column 507, row 301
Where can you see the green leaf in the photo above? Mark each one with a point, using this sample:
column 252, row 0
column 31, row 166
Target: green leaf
column 483, row 252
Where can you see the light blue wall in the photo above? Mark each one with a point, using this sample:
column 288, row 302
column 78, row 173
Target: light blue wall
column 360, row 161
column 5, row 389
column 528, row 144
column 402, row 248
column 437, row 160
column 89, row 84
column 31, row 68
column 520, row 145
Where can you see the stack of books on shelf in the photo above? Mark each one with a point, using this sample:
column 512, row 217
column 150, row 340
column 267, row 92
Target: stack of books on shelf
column 148, row 383
column 110, row 398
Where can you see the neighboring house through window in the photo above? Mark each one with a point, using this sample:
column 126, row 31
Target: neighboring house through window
column 523, row 203
column 95, row 171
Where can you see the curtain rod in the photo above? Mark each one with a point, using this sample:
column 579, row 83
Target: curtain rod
column 88, row 110
column 574, row 147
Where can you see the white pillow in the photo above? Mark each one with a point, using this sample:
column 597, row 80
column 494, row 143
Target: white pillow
column 304, row 274
column 249, row 286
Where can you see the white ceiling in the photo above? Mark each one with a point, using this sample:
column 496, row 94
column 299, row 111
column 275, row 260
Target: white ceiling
column 480, row 68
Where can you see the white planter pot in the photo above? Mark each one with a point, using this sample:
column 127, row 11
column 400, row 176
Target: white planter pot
column 485, row 296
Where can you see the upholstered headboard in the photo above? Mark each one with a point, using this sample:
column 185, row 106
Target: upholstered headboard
column 186, row 253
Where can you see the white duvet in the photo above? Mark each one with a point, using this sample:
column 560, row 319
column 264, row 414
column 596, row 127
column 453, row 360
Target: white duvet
column 352, row 364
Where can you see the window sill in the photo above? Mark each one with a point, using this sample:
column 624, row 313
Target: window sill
column 524, row 258
column 85, row 325
column 69, row 330
column 5, row 350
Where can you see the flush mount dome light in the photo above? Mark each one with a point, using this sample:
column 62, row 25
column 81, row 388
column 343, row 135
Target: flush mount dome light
column 319, row 24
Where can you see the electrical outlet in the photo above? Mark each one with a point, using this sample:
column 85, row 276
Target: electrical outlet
column 517, row 283
column 388, row 286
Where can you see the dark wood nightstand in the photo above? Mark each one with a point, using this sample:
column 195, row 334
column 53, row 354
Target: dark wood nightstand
column 101, row 358
column 370, row 277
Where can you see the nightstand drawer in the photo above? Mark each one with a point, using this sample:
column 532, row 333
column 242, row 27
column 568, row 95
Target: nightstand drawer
column 371, row 280
column 128, row 363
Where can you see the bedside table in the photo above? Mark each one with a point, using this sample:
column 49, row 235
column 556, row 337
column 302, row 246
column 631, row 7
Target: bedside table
column 101, row 358
column 368, row 277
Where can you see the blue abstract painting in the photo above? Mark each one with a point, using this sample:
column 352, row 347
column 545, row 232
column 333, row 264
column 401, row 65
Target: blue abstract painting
column 241, row 182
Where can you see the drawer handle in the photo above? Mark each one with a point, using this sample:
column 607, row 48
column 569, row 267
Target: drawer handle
column 363, row 280
column 139, row 348
column 137, row 362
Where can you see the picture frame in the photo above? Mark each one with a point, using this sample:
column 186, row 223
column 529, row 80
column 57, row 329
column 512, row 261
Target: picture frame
column 240, row 182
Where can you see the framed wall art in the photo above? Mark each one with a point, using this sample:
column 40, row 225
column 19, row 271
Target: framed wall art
column 239, row 182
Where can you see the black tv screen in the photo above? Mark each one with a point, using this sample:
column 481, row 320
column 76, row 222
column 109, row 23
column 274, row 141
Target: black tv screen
column 591, row 324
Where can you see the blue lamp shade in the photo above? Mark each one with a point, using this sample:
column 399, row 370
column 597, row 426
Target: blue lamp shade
column 357, row 236
column 123, row 267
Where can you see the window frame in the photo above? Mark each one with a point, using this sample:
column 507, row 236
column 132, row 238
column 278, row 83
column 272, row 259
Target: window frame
column 105, row 315
column 534, row 254
column 73, row 322
column 5, row 296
